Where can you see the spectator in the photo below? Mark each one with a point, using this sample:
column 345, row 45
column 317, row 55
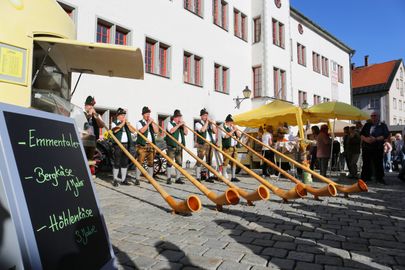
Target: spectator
column 345, row 140
column 267, row 139
column 387, row 156
column 313, row 148
column 323, row 143
column 397, row 154
column 353, row 152
column 373, row 135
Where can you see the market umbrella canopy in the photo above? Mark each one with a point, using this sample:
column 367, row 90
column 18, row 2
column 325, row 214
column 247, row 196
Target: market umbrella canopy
column 272, row 113
column 334, row 110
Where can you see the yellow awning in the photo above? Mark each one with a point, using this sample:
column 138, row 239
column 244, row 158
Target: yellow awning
column 272, row 113
column 334, row 110
column 94, row 58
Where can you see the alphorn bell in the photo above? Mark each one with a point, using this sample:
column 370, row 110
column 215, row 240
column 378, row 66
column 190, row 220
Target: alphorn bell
column 329, row 190
column 297, row 192
column 262, row 193
column 230, row 196
column 191, row 204
column 360, row 186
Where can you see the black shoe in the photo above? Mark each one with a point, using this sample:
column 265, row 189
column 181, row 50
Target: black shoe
column 169, row 181
column 179, row 181
column 125, row 183
column 136, row 182
column 235, row 179
column 209, row 180
column 115, row 183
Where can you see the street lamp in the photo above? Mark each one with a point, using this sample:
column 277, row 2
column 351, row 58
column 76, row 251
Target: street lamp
column 246, row 94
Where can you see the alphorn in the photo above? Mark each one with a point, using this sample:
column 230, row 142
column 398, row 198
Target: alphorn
column 191, row 204
column 230, row 196
column 329, row 190
column 360, row 186
column 297, row 192
column 262, row 193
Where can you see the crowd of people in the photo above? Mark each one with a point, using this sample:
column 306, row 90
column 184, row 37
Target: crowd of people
column 369, row 145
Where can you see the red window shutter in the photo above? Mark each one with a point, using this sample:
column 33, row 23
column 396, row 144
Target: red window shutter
column 216, row 11
column 276, row 79
column 275, row 32
column 243, row 26
column 216, row 75
column 281, row 35
column 299, row 54
column 197, row 71
column 224, row 17
column 283, row 92
column 225, row 80
column 236, row 22
column 199, row 12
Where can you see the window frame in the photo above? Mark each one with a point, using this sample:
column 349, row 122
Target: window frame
column 257, row 29
column 191, row 66
column 198, row 10
column 281, row 76
column 277, row 29
column 257, row 85
column 301, row 54
column 156, row 61
column 221, row 78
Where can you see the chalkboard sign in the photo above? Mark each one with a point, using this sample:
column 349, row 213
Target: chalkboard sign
column 56, row 191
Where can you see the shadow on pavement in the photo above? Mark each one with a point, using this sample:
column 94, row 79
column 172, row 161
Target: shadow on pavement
column 173, row 255
column 123, row 259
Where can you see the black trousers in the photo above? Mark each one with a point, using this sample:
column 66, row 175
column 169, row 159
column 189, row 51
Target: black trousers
column 372, row 161
column 120, row 159
column 269, row 155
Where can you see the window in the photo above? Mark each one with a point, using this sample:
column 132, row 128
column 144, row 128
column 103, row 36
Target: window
column 192, row 69
column 157, row 58
column 317, row 99
column 400, row 105
column 340, row 74
column 325, row 66
column 316, row 62
column 394, row 101
column 240, row 24
column 257, row 81
column 70, row 11
column 374, row 103
column 221, row 79
column 103, row 31
column 194, row 6
column 257, row 29
column 301, row 54
column 279, row 76
column 220, row 9
column 325, row 99
column 121, row 36
column 302, row 96
column 278, row 33
column 357, row 103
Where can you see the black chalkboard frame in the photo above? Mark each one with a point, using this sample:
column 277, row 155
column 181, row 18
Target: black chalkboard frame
column 14, row 191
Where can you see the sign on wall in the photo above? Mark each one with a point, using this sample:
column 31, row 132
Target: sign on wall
column 13, row 64
column 54, row 203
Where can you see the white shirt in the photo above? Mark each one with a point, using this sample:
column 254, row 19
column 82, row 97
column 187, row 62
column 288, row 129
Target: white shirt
column 233, row 141
column 266, row 138
column 198, row 127
column 139, row 126
column 169, row 127
column 124, row 138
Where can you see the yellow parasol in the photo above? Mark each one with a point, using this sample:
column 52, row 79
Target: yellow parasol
column 334, row 110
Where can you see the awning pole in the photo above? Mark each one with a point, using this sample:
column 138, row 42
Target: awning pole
column 331, row 147
column 41, row 66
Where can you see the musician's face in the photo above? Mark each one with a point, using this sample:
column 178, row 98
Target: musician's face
column 177, row 119
column 204, row 117
column 121, row 117
column 146, row 116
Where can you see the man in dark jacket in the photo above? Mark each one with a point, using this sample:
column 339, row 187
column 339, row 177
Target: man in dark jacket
column 373, row 135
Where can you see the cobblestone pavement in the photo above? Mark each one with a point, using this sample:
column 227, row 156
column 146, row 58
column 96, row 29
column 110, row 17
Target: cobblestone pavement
column 365, row 231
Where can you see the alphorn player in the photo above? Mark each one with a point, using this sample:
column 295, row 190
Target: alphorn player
column 204, row 149
column 148, row 128
column 229, row 145
column 174, row 151
column 93, row 124
column 122, row 131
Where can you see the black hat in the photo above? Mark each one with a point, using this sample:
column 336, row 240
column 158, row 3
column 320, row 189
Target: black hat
column 121, row 111
column 145, row 110
column 90, row 101
column 177, row 113
column 203, row 111
column 229, row 118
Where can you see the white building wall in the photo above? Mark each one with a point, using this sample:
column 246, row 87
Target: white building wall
column 304, row 78
column 168, row 22
column 397, row 115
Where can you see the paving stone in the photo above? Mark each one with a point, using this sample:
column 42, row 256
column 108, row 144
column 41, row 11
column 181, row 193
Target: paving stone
column 300, row 256
column 312, row 235
column 201, row 261
column 310, row 249
column 354, row 246
column 282, row 263
column 263, row 242
column 229, row 255
column 229, row 265
column 275, row 252
column 329, row 260
column 211, row 243
column 285, row 245
column 164, row 265
column 306, row 266
column 246, row 248
column 171, row 255
column 254, row 259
